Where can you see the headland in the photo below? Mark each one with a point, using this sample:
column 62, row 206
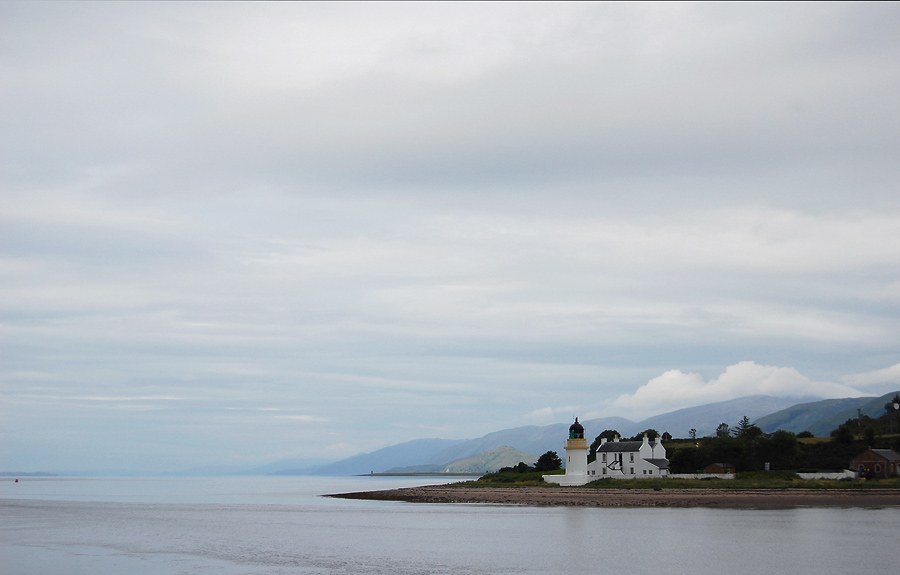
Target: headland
column 610, row 497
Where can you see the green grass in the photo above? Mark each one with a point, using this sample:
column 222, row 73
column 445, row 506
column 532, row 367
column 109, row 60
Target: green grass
column 811, row 440
column 746, row 480
column 512, row 478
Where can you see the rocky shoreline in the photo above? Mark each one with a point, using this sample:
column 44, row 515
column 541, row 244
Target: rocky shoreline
column 679, row 498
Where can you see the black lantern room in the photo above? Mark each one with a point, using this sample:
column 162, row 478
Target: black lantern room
column 576, row 431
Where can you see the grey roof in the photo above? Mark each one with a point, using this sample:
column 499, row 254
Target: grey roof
column 619, row 446
column 660, row 463
column 888, row 454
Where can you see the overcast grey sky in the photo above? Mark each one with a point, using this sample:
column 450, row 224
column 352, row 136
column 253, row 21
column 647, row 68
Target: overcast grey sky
column 233, row 233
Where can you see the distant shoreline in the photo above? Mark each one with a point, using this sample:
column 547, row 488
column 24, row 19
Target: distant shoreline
column 30, row 474
column 422, row 474
column 677, row 498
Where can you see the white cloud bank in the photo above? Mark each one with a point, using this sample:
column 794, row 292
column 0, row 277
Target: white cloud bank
column 551, row 414
column 879, row 377
column 675, row 389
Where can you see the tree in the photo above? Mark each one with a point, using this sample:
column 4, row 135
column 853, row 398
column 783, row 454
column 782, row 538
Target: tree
column 609, row 435
column 843, row 434
column 780, row 449
column 520, row 467
column 666, row 436
column 723, row 430
column 746, row 430
column 742, row 427
column 693, row 433
column 549, row 461
column 651, row 434
column 869, row 436
column 892, row 407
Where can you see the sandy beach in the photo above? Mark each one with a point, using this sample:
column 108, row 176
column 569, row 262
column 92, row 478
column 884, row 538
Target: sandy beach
column 720, row 498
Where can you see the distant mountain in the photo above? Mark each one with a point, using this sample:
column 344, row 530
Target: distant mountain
column 426, row 468
column 540, row 439
column 530, row 439
column 706, row 418
column 806, row 416
column 401, row 455
column 503, row 456
column 428, row 455
column 822, row 417
column 273, row 467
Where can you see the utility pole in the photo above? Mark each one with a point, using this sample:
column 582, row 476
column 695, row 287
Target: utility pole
column 892, row 407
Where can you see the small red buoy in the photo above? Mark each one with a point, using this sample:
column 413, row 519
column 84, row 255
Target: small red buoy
column 17, row 480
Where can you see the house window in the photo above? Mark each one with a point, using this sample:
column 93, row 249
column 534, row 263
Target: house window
column 643, row 472
column 631, row 457
column 650, row 472
column 632, row 470
column 877, row 468
column 604, row 458
column 861, row 468
column 604, row 471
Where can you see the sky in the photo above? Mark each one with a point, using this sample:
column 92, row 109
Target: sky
column 242, row 232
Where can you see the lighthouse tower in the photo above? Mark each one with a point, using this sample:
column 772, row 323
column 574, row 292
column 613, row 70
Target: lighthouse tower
column 576, row 450
column 576, row 458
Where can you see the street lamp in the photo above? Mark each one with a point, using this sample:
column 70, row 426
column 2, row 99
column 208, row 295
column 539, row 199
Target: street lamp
column 892, row 407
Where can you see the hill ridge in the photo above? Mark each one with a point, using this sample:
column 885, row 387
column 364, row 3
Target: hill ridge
column 432, row 454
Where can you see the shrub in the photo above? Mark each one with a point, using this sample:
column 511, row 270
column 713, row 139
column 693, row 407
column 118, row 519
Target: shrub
column 767, row 476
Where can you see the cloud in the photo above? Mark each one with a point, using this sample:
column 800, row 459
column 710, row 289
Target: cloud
column 887, row 376
column 131, row 398
column 303, row 418
column 552, row 413
column 417, row 217
column 675, row 389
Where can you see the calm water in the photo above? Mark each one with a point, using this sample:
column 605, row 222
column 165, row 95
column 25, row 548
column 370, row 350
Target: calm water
column 280, row 525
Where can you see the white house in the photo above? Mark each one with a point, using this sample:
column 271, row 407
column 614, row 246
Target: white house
column 629, row 459
column 616, row 459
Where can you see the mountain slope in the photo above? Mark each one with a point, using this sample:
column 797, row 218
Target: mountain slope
column 503, row 456
column 530, row 439
column 822, row 417
column 706, row 418
column 806, row 416
column 400, row 455
column 432, row 454
column 873, row 408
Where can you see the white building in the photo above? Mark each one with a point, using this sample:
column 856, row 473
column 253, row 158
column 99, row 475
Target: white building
column 577, row 472
column 615, row 459
column 629, row 459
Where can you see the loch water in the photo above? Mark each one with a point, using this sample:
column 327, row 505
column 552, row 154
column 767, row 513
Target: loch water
column 282, row 525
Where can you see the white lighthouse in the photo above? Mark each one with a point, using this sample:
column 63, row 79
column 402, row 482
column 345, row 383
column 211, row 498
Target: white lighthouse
column 576, row 459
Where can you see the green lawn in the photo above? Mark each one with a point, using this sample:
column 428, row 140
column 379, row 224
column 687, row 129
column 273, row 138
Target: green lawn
column 748, row 480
